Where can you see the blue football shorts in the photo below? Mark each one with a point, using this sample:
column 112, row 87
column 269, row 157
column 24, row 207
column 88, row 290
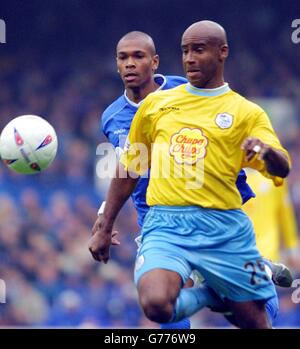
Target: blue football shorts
column 220, row 244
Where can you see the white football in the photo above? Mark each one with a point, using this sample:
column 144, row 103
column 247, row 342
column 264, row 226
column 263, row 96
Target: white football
column 28, row 144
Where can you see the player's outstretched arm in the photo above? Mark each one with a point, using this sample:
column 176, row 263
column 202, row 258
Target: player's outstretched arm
column 120, row 189
column 275, row 160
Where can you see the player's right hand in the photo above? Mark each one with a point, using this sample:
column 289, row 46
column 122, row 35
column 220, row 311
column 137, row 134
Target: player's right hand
column 253, row 146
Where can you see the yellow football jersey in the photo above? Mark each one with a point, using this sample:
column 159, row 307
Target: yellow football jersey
column 191, row 138
column 272, row 216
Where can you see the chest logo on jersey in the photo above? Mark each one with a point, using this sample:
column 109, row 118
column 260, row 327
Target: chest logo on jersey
column 224, row 120
column 188, row 145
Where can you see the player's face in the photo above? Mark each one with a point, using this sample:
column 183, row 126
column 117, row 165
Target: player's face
column 201, row 60
column 135, row 63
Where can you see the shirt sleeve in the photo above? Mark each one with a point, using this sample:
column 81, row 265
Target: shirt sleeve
column 260, row 127
column 137, row 150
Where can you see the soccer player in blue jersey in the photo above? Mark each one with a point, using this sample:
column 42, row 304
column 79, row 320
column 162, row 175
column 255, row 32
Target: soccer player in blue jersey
column 137, row 62
column 101, row 241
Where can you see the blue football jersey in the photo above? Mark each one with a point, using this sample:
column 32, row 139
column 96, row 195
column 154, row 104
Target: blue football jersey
column 116, row 121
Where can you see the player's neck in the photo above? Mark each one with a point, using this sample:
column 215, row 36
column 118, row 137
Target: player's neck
column 216, row 81
column 137, row 94
column 212, row 84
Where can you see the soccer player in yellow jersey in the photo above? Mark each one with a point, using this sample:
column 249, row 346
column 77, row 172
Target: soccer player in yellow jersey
column 196, row 138
column 273, row 217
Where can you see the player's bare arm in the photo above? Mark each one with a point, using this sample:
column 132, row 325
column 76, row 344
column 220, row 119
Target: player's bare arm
column 120, row 189
column 276, row 161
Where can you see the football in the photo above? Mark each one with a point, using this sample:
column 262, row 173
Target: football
column 28, row 144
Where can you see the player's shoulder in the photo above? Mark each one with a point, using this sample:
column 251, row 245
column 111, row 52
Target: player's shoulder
column 113, row 109
column 158, row 99
column 248, row 105
column 174, row 80
column 168, row 81
column 171, row 93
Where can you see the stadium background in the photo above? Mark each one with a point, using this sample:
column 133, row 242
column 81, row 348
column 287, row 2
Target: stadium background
column 59, row 63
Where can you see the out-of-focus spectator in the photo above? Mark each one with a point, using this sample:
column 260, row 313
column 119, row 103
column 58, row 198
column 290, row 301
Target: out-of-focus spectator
column 273, row 218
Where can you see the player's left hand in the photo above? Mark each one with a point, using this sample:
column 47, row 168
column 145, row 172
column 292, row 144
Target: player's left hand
column 98, row 223
column 253, row 146
column 99, row 243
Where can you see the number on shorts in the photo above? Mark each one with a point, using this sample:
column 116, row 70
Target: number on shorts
column 255, row 279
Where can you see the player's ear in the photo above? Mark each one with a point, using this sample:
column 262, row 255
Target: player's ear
column 223, row 51
column 155, row 62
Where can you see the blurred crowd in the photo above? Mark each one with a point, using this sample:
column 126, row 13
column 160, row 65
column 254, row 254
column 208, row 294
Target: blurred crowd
column 46, row 219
